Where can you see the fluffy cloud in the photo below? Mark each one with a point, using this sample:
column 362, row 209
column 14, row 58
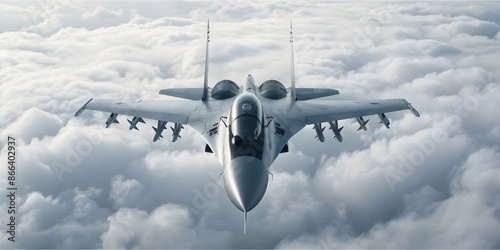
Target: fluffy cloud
column 131, row 228
column 467, row 217
column 426, row 182
column 125, row 192
column 101, row 13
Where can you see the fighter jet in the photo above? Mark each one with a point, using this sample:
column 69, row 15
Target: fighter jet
column 247, row 127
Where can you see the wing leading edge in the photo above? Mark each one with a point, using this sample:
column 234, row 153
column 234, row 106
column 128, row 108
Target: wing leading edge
column 292, row 117
column 177, row 111
column 326, row 111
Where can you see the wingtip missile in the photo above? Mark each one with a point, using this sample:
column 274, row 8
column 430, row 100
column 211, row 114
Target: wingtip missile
column 82, row 108
column 411, row 108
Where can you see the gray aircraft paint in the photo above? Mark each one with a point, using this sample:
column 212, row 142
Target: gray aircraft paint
column 276, row 113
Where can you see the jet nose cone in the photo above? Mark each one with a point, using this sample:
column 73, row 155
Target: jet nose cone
column 246, row 180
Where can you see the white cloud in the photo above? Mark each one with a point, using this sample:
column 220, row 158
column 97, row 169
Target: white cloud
column 69, row 220
column 426, row 182
column 102, row 13
column 167, row 226
column 125, row 192
column 467, row 218
column 474, row 28
column 34, row 123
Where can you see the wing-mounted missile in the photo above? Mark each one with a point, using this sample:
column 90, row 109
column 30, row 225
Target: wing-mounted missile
column 384, row 120
column 362, row 123
column 111, row 119
column 159, row 130
column 334, row 126
column 176, row 131
column 133, row 123
column 319, row 132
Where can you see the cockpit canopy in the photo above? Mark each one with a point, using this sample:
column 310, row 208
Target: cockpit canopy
column 272, row 89
column 246, row 118
column 225, row 89
column 246, row 104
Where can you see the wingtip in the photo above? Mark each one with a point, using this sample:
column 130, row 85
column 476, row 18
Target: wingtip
column 82, row 108
column 411, row 108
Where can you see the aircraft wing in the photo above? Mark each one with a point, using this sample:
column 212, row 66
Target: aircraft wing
column 317, row 111
column 291, row 118
column 177, row 111
column 203, row 117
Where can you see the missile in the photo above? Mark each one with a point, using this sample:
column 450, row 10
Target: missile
column 159, row 130
column 362, row 123
column 334, row 126
column 111, row 119
column 411, row 108
column 384, row 120
column 133, row 123
column 319, row 132
column 176, row 131
column 82, row 108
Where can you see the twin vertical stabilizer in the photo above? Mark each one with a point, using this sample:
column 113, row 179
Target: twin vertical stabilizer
column 204, row 97
column 293, row 92
column 292, row 70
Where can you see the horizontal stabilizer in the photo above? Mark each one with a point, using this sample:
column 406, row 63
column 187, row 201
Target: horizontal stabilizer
column 313, row 93
column 194, row 94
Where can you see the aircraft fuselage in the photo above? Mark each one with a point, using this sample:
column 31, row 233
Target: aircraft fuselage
column 246, row 161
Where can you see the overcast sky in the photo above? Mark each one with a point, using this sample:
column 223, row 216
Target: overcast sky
column 432, row 181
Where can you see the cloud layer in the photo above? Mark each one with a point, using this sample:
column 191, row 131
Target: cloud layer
column 427, row 182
